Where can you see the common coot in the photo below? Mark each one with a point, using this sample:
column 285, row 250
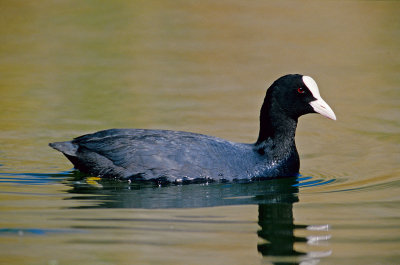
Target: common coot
column 176, row 156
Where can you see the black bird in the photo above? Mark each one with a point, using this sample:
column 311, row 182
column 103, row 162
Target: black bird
column 177, row 156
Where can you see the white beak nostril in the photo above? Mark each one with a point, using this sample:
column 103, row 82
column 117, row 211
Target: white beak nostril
column 322, row 108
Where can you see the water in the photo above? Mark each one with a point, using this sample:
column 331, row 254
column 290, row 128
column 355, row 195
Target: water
column 70, row 68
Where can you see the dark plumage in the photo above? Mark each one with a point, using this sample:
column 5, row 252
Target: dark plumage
column 176, row 156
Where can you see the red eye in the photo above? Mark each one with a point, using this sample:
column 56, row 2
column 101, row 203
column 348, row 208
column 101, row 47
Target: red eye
column 301, row 90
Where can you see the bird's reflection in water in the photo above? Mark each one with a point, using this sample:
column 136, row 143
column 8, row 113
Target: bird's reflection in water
column 275, row 199
column 276, row 221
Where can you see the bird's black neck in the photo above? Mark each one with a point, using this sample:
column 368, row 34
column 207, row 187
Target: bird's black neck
column 275, row 126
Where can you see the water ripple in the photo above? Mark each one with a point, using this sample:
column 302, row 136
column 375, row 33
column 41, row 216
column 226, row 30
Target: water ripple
column 33, row 178
column 310, row 182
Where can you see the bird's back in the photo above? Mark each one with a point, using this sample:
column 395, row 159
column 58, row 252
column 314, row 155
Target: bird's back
column 151, row 154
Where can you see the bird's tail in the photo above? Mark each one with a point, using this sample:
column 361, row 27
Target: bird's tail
column 67, row 148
